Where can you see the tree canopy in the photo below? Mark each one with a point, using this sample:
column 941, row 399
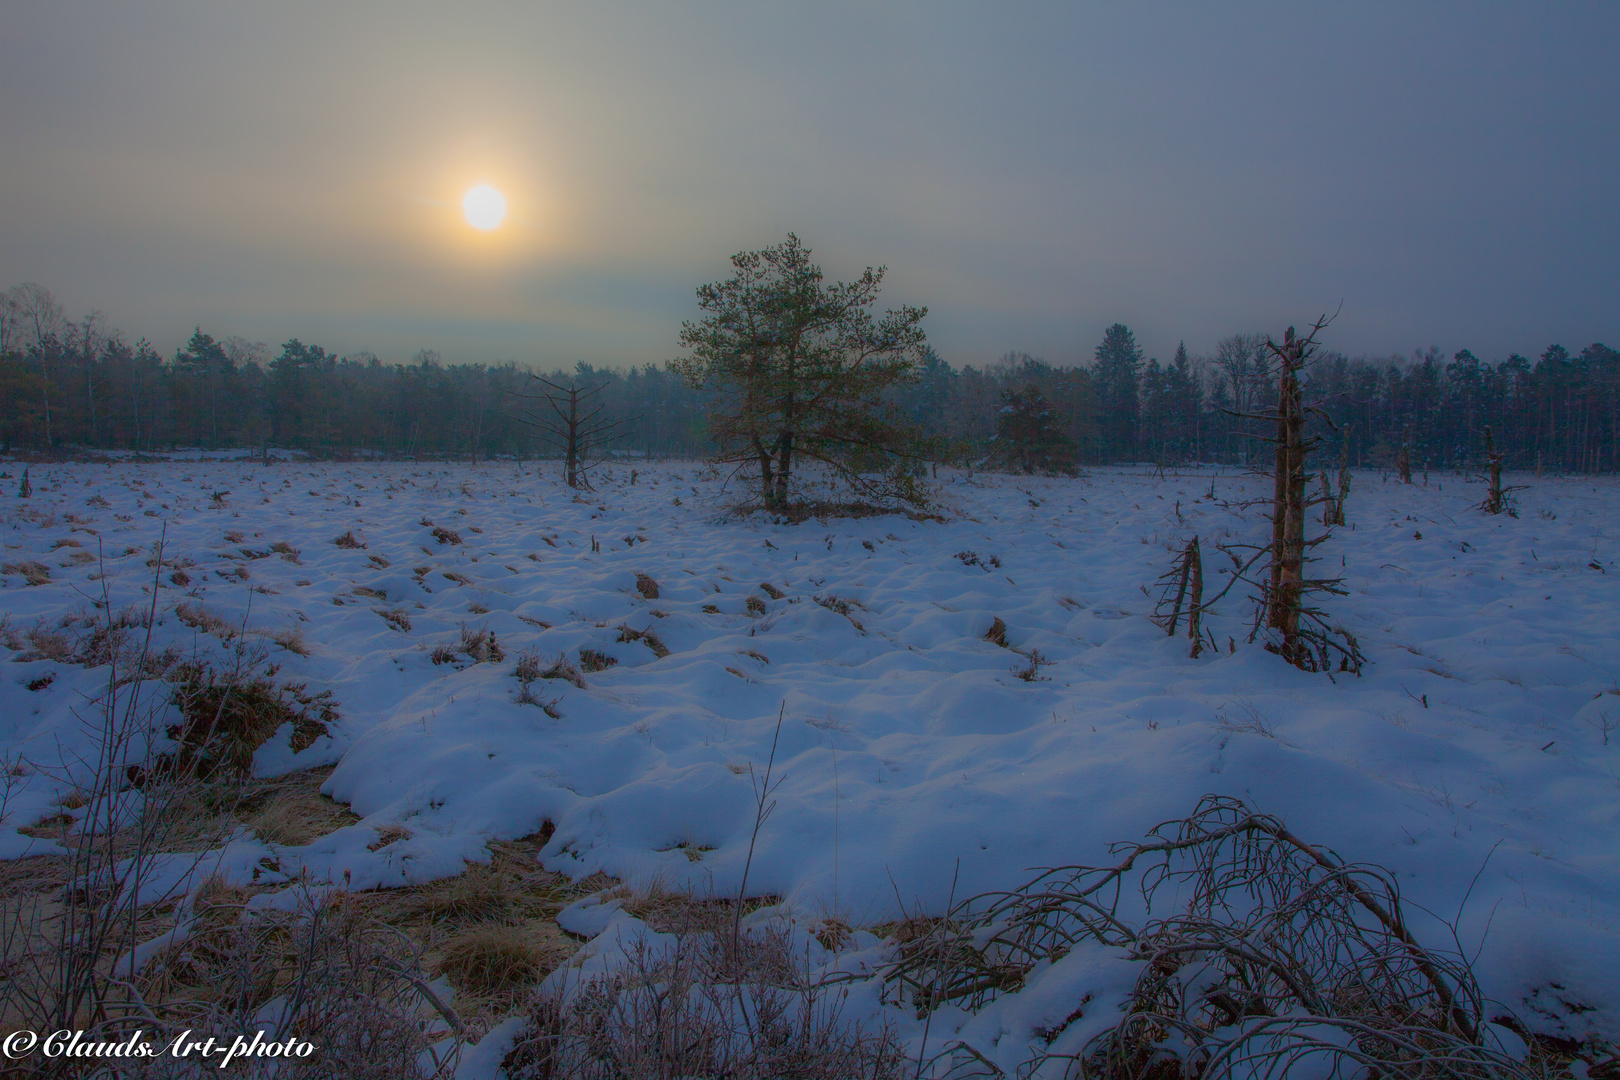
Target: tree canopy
column 800, row 369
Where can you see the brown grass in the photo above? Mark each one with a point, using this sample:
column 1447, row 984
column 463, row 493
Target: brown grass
column 997, row 634
column 291, row 811
column 228, row 716
column 291, row 639
column 646, row 586
column 493, row 960
column 771, row 590
column 200, row 618
column 399, row 618
column 349, row 540
column 842, row 607
column 646, row 637
column 35, row 573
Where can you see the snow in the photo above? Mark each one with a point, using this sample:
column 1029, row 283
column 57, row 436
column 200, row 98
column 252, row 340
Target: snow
column 913, row 763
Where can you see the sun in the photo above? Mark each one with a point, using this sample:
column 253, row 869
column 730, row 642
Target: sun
column 484, row 206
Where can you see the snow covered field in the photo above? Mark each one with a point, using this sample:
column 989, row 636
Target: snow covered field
column 912, row 753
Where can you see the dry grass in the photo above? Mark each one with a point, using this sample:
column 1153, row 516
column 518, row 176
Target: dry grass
column 997, row 634
column 291, row 639
column 742, row 1006
column 446, row 536
column 399, row 618
column 647, row 637
column 349, row 540
column 482, row 894
column 291, row 811
column 841, row 606
column 200, row 618
column 492, row 960
column 227, row 716
column 771, row 590
column 35, row 573
column 646, row 586
column 592, row 660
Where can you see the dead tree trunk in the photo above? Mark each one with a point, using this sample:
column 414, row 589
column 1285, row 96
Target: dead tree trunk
column 1344, row 485
column 1496, row 499
column 1195, row 598
column 1284, row 599
column 1187, row 574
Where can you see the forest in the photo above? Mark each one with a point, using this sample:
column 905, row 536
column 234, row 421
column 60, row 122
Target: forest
column 68, row 386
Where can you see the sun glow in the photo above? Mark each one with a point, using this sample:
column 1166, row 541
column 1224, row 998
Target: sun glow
column 484, row 206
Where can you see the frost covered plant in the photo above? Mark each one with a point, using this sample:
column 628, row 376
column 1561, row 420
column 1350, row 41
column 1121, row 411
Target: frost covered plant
column 706, row 1005
column 1275, row 956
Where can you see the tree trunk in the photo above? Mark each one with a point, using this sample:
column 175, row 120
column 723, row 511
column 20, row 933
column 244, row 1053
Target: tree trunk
column 1288, row 502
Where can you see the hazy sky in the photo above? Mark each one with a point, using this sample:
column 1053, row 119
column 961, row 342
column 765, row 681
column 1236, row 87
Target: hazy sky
column 1031, row 172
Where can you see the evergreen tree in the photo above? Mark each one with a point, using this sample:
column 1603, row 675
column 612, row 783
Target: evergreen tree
column 1115, row 375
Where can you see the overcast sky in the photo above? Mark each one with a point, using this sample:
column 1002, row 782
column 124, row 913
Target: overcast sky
column 1031, row 172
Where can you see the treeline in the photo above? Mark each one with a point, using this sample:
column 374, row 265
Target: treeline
column 68, row 385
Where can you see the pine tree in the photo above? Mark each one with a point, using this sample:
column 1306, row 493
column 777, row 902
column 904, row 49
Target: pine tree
column 1115, row 375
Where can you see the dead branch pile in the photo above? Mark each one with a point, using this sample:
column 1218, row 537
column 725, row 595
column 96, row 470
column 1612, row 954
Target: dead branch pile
column 1280, row 959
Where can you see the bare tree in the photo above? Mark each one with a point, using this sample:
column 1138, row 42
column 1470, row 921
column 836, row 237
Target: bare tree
column 38, row 316
column 576, row 427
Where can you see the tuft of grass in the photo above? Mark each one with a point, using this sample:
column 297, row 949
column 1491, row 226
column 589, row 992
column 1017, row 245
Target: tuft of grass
column 291, row 639
column 286, row 551
column 646, row 586
column 842, row 607
column 446, row 536
column 491, row 960
column 34, row 573
column 481, row 894
column 592, row 660
column 771, row 590
column 756, row 606
column 480, row 646
column 563, row 668
column 391, row 833
column 226, row 716
column 997, row 634
column 349, row 540
column 291, row 811
column 200, row 618
column 399, row 618
column 647, row 637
